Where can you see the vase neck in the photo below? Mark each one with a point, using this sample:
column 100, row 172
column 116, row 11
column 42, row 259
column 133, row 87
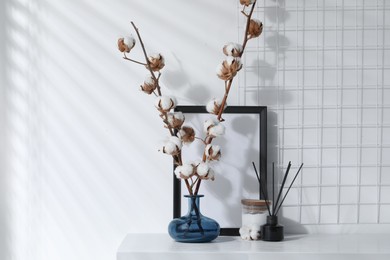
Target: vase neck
column 193, row 204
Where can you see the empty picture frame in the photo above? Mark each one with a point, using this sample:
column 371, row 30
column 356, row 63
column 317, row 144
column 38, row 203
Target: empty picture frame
column 244, row 142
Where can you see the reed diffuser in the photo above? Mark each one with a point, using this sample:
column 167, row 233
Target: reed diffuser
column 272, row 230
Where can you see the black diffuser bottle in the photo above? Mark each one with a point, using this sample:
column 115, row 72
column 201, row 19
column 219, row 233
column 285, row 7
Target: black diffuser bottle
column 272, row 230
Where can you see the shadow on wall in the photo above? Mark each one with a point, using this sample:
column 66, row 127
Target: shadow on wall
column 269, row 94
column 178, row 81
column 272, row 145
column 3, row 222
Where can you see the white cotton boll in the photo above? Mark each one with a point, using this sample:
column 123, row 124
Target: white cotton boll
column 175, row 119
column 238, row 62
column 219, row 69
column 178, row 171
column 157, row 56
column 179, row 115
column 216, row 150
column 217, row 130
column 213, row 106
column 237, row 46
column 165, row 103
column 230, row 60
column 232, row 49
column 208, row 123
column 184, row 171
column 207, row 149
column 170, row 148
column 210, row 106
column 129, row 41
column 212, row 150
column 203, row 169
column 245, row 233
column 170, row 118
column 254, row 233
column 187, row 170
column 149, row 80
column 176, row 141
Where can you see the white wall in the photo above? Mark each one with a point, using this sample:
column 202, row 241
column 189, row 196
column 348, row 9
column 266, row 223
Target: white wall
column 81, row 149
column 82, row 141
column 3, row 225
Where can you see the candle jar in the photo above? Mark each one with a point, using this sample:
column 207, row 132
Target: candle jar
column 254, row 215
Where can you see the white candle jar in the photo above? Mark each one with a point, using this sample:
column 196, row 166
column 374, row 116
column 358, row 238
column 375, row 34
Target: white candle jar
column 254, row 215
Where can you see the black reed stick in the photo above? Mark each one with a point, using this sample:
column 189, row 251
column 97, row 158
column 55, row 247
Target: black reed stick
column 258, row 179
column 261, row 188
column 296, row 175
column 276, row 205
column 273, row 188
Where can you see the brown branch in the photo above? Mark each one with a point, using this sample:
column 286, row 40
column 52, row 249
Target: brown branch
column 179, row 160
column 243, row 12
column 209, row 139
column 247, row 27
column 189, row 187
column 229, row 83
column 197, row 187
column 227, row 90
column 134, row 60
column 164, row 117
column 197, row 178
column 147, row 59
column 200, row 139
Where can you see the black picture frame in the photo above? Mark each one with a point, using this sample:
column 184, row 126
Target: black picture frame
column 262, row 112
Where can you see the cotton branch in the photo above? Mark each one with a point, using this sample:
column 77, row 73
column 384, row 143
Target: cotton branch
column 125, row 57
column 228, row 85
column 229, row 82
column 147, row 59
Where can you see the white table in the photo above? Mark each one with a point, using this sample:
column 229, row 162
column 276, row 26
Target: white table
column 329, row 247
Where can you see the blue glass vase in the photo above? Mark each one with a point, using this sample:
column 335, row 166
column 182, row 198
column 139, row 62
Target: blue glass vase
column 193, row 227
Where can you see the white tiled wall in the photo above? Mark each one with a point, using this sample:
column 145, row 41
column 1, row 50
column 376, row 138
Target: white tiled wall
column 323, row 70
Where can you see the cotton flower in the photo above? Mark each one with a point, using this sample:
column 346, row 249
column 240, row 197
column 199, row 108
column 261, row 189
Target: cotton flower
column 184, row 171
column 213, row 128
column 212, row 152
column 217, row 130
column 245, row 233
column 172, row 146
column 254, row 232
column 214, row 105
column 255, row 28
column 175, row 120
column 246, row 2
column 149, row 85
column 125, row 44
column 232, row 49
column 157, row 62
column 209, row 123
column 204, row 171
column 229, row 68
column 250, row 232
column 165, row 103
column 187, row 134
